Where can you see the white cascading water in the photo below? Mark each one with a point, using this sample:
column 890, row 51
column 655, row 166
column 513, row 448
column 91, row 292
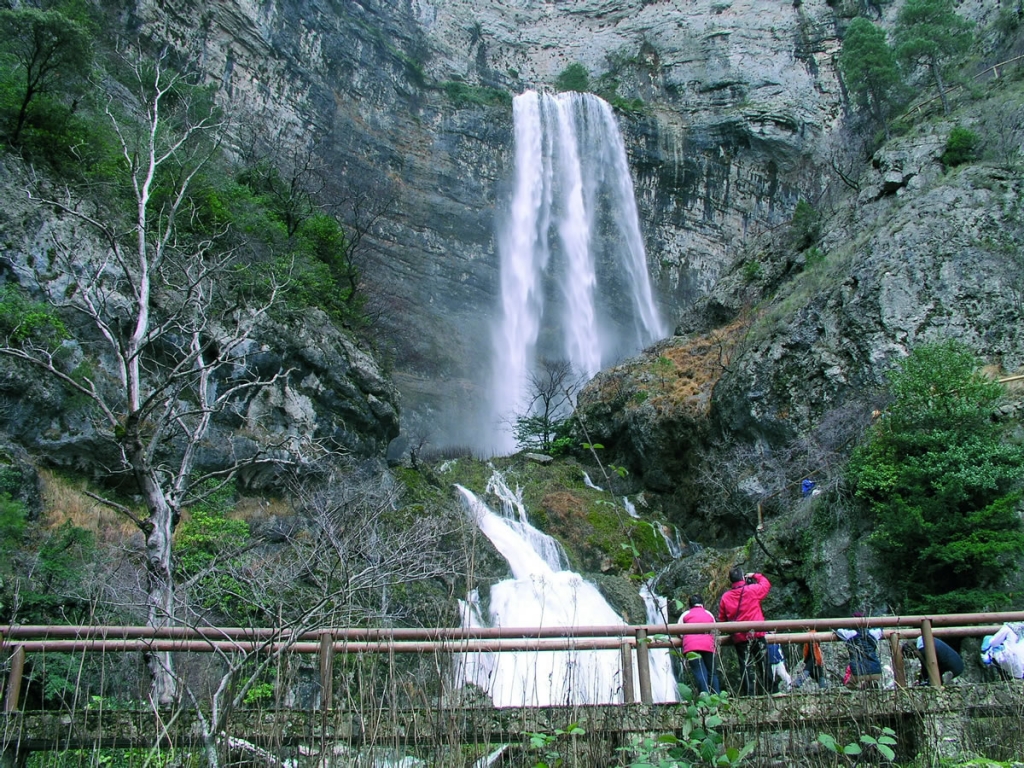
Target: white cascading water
column 571, row 239
column 663, row 682
column 573, row 264
column 544, row 593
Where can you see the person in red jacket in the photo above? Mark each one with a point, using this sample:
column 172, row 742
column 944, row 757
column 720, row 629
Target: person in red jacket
column 742, row 602
column 703, row 664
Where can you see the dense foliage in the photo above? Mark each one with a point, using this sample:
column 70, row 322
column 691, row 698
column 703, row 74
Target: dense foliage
column 961, row 147
column 930, row 33
column 573, row 78
column 869, row 68
column 942, row 481
column 43, row 60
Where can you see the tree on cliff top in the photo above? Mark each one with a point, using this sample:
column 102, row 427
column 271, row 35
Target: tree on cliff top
column 169, row 327
column 930, row 32
column 869, row 68
column 942, row 480
column 45, row 51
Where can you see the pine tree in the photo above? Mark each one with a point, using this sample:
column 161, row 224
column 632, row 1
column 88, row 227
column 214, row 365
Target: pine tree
column 942, row 482
column 930, row 32
column 869, row 68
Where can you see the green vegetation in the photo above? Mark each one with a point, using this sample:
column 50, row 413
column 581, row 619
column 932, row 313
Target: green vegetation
column 931, row 33
column 465, row 95
column 805, row 226
column 25, row 321
column 573, row 78
column 868, row 66
column 942, row 482
column 697, row 743
column 752, row 271
column 46, row 57
column 962, row 146
column 204, row 545
column 548, row 745
column 50, row 591
column 882, row 744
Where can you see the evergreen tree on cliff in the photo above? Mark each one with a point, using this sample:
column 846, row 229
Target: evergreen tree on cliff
column 930, row 32
column 869, row 68
column 942, row 480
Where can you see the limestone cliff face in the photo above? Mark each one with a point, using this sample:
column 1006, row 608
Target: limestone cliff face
column 738, row 99
column 723, row 421
column 921, row 256
column 330, row 391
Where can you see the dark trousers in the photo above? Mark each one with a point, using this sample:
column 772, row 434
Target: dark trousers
column 704, row 671
column 754, row 672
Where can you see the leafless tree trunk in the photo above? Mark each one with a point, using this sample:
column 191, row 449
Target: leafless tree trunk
column 152, row 292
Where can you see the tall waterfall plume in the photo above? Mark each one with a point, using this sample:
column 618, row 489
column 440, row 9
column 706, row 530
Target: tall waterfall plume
column 574, row 281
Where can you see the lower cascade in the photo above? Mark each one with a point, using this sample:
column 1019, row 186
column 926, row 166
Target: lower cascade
column 542, row 592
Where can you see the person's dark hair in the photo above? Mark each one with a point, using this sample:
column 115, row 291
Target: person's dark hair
column 696, row 600
column 735, row 574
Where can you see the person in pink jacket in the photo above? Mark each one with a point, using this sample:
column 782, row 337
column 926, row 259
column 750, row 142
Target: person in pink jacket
column 742, row 602
column 703, row 665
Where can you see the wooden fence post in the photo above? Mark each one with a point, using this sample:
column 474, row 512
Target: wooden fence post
column 14, row 677
column 626, row 665
column 931, row 663
column 643, row 667
column 326, row 670
column 899, row 669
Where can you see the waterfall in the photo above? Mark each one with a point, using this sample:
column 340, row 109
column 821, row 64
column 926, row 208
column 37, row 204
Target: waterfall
column 542, row 592
column 573, row 261
column 663, row 683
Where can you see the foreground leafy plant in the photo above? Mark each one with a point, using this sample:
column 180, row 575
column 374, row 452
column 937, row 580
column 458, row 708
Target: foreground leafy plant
column 698, row 741
column 882, row 744
column 546, row 744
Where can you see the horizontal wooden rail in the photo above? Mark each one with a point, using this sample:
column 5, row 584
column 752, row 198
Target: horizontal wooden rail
column 100, row 645
column 326, row 642
column 400, row 634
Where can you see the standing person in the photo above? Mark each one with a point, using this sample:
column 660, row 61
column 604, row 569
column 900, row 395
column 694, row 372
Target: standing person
column 742, row 602
column 704, row 666
column 865, row 667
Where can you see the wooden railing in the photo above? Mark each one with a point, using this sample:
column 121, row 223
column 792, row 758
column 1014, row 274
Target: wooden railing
column 16, row 642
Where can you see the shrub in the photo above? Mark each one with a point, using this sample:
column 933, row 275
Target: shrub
column 752, row 271
column 573, row 78
column 805, row 227
column 206, row 542
column 465, row 95
column 961, row 147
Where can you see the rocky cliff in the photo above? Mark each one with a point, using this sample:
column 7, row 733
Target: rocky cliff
column 779, row 369
column 332, row 392
column 404, row 101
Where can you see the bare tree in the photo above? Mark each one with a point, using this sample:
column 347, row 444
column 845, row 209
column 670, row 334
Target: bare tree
column 353, row 544
column 169, row 337
column 366, row 544
column 552, row 390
